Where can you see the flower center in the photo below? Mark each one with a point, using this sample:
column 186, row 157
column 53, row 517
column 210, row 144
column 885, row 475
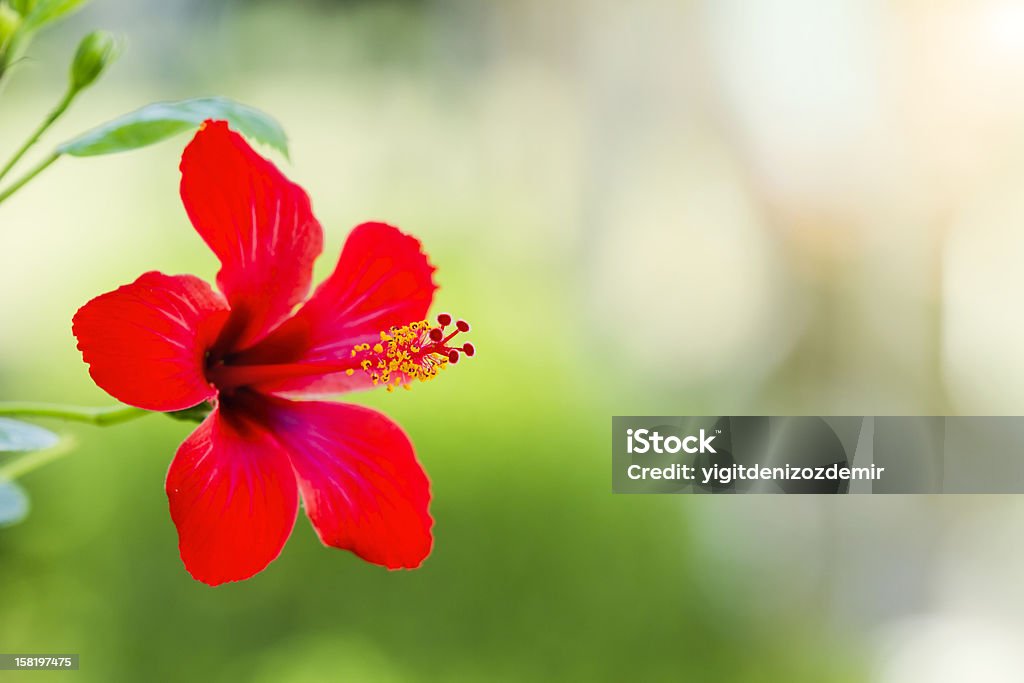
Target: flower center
column 416, row 351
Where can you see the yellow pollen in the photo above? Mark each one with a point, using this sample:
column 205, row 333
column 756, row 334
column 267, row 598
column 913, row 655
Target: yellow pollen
column 417, row 351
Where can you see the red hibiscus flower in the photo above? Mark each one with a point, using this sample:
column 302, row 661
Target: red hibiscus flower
column 171, row 342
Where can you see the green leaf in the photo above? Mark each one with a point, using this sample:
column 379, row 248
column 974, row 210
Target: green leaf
column 161, row 120
column 13, row 503
column 21, row 437
column 48, row 11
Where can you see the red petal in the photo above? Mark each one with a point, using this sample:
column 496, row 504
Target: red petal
column 362, row 487
column 233, row 498
column 145, row 343
column 258, row 223
column 383, row 278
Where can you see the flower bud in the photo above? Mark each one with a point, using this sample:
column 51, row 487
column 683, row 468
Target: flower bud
column 10, row 20
column 95, row 52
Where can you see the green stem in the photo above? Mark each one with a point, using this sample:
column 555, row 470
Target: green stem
column 16, row 46
column 61, row 107
column 35, row 460
column 29, row 176
column 5, row 64
column 100, row 417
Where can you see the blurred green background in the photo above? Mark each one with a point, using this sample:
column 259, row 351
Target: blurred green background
column 655, row 207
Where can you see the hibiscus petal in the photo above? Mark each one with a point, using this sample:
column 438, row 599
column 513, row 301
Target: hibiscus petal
column 145, row 343
column 383, row 278
column 233, row 498
column 360, row 481
column 258, row 223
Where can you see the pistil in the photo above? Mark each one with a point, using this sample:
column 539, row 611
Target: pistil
column 417, row 351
